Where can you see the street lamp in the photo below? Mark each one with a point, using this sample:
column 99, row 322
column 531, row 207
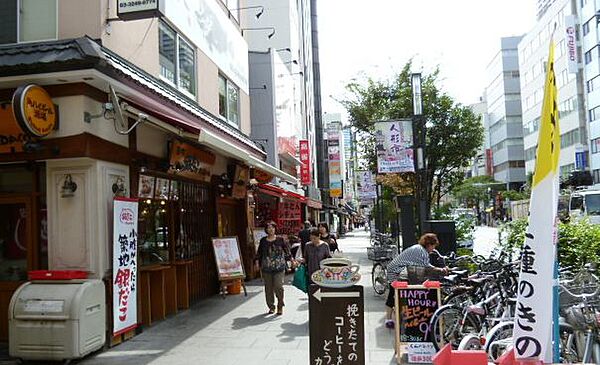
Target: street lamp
column 419, row 135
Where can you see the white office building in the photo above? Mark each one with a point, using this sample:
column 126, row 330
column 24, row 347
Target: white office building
column 590, row 40
column 533, row 56
column 504, row 114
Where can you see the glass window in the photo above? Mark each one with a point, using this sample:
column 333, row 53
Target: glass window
column 167, row 51
column 186, row 67
column 587, row 57
column 153, row 232
column 585, row 28
column 229, row 96
column 233, row 104
column 37, row 20
column 177, row 59
column 222, row 96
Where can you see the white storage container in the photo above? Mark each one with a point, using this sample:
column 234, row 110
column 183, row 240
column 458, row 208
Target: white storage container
column 57, row 320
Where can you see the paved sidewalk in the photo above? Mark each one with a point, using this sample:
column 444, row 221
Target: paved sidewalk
column 237, row 331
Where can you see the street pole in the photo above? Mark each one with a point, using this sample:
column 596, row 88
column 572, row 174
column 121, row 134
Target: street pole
column 419, row 136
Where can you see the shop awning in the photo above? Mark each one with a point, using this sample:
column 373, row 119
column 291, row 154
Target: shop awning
column 261, row 165
column 280, row 192
column 315, row 204
column 289, row 158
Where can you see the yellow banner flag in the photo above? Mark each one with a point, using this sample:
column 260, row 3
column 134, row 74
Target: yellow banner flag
column 532, row 334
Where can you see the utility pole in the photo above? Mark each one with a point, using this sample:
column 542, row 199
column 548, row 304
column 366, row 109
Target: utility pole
column 419, row 137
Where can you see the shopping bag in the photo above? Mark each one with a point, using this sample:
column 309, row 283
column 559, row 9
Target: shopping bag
column 300, row 280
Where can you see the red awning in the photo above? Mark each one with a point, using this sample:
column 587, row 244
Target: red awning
column 279, row 192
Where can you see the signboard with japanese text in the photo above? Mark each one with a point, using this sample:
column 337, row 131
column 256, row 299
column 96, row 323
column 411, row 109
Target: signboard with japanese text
column 125, row 221
column 228, row 258
column 305, row 159
column 394, row 140
column 336, row 325
column 34, row 110
column 12, row 136
column 415, row 305
column 190, row 161
column 366, row 185
column 333, row 154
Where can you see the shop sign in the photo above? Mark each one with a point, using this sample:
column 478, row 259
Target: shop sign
column 366, row 185
column 12, row 136
column 228, row 258
column 139, row 9
column 415, row 306
column 571, row 40
column 34, row 110
column 336, row 325
column 125, row 223
column 305, row 159
column 191, row 162
column 394, row 146
column 239, row 188
column 262, row 177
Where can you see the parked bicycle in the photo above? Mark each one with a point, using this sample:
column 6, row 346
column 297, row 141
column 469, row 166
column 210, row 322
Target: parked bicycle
column 381, row 256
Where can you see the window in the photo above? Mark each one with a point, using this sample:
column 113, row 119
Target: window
column 596, row 175
column 177, row 59
column 593, row 84
column 594, row 113
column 229, row 101
column 28, row 20
column 595, row 145
column 587, row 57
column 585, row 28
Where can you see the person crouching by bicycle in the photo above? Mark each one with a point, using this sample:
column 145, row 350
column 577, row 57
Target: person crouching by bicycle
column 416, row 255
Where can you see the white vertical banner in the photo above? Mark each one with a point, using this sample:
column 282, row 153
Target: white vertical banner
column 366, row 185
column 125, row 224
column 532, row 335
column 571, row 43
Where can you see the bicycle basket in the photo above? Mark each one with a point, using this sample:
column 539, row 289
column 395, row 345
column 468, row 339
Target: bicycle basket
column 380, row 253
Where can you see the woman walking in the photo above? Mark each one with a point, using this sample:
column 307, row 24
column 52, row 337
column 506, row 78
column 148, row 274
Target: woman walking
column 271, row 257
column 327, row 237
column 315, row 251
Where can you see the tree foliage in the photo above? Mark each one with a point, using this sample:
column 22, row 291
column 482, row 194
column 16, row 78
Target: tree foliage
column 454, row 133
column 473, row 190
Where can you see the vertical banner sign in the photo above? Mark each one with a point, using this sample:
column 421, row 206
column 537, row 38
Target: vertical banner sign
column 125, row 220
column 532, row 336
column 366, row 185
column 394, row 141
column 336, row 325
column 571, row 43
column 305, row 159
column 335, row 167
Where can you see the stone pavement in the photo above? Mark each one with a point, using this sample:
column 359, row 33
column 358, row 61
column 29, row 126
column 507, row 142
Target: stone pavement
column 237, row 331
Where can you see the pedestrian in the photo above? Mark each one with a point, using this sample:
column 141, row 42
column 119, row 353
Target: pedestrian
column 328, row 237
column 315, row 251
column 272, row 257
column 416, row 255
column 304, row 236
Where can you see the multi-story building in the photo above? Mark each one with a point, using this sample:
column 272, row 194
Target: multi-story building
column 285, row 27
column 480, row 165
column 174, row 134
column 590, row 43
column 533, row 55
column 503, row 96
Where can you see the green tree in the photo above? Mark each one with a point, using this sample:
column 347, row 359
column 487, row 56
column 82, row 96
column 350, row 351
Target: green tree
column 473, row 190
column 454, row 133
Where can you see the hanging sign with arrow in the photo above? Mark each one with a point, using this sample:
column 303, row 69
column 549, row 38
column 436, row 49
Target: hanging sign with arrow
column 336, row 324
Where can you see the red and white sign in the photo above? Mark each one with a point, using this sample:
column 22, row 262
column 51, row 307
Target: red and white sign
column 305, row 159
column 125, row 223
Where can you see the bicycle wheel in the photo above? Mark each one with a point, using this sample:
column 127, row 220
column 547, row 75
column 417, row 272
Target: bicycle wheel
column 379, row 278
column 499, row 339
column 447, row 326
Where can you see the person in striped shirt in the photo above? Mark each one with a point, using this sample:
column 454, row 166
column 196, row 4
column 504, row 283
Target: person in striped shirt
column 416, row 255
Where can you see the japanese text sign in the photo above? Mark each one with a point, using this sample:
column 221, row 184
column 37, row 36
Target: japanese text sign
column 415, row 305
column 125, row 222
column 228, row 258
column 394, row 146
column 336, row 325
column 366, row 185
column 305, row 159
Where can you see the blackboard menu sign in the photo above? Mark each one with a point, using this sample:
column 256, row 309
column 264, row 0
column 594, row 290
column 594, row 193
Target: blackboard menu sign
column 415, row 305
column 336, row 325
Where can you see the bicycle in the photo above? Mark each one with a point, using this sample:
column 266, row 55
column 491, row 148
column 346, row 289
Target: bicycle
column 381, row 256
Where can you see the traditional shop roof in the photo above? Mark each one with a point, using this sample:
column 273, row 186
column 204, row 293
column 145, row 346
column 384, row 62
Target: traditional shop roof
column 85, row 53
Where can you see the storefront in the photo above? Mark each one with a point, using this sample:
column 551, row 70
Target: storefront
column 280, row 206
column 57, row 189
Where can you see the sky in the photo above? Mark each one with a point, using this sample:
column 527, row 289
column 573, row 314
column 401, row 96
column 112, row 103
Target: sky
column 375, row 38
